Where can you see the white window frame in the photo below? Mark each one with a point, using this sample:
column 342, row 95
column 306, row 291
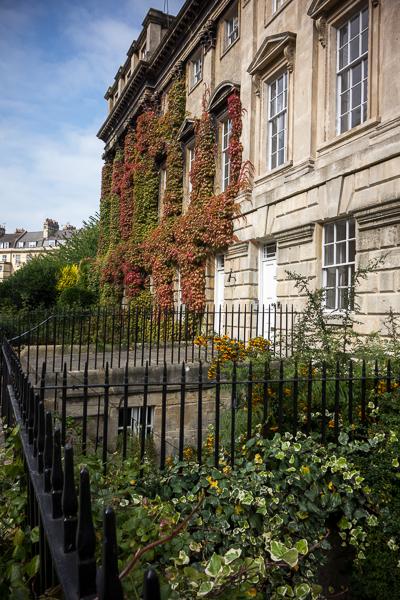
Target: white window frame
column 20, row 244
column 226, row 129
column 32, row 244
column 196, row 69
column 6, row 245
column 274, row 115
column 348, row 70
column 4, row 258
column 134, row 416
column 17, row 259
column 277, row 4
column 231, row 29
column 349, row 240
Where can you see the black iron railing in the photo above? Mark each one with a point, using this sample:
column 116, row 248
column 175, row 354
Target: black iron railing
column 136, row 336
column 67, row 541
column 195, row 418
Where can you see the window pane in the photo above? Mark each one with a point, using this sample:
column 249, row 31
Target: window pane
column 352, row 229
column 352, row 251
column 281, row 122
column 356, row 74
column 274, row 127
column 343, row 36
column 344, row 81
column 364, row 42
column 273, row 144
column 329, row 233
column 356, row 116
column 331, row 277
column 341, row 230
column 354, row 26
column 344, row 103
column 343, row 276
column 344, row 123
column 364, row 19
column 356, row 99
column 343, row 57
column 273, row 161
column 354, row 49
column 281, row 156
column 329, row 255
column 343, row 298
column 281, row 140
column 330, row 298
column 341, row 253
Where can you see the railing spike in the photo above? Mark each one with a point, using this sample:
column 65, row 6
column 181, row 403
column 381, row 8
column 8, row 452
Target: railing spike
column 110, row 587
column 40, row 437
column 86, row 540
column 48, row 451
column 56, row 476
column 151, row 586
column 69, row 501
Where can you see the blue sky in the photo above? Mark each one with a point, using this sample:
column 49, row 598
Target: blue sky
column 57, row 58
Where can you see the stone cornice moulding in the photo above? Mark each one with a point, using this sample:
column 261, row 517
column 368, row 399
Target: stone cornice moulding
column 297, row 235
column 240, row 249
column 273, row 47
column 208, row 35
column 382, row 215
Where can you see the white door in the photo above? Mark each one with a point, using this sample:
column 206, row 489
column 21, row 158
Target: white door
column 219, row 285
column 267, row 290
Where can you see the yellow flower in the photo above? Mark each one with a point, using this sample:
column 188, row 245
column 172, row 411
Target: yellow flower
column 213, row 482
column 227, row 470
column 331, row 424
column 252, row 592
column 132, row 481
column 305, row 470
column 258, row 459
column 331, row 487
column 238, row 509
column 287, row 391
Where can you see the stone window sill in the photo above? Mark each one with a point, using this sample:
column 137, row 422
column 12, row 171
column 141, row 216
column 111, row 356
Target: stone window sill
column 348, row 136
column 281, row 170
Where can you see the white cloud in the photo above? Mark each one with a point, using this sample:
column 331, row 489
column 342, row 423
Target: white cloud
column 57, row 179
column 56, row 62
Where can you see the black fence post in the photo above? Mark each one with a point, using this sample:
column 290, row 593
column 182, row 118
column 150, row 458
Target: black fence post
column 56, row 476
column 110, row 587
column 48, row 452
column 151, row 586
column 105, row 417
column 69, row 501
column 86, row 540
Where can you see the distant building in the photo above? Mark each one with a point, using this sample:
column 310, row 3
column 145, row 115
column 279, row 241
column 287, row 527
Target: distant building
column 16, row 249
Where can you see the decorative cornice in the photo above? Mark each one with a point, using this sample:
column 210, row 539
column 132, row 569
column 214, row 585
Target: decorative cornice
column 289, row 54
column 208, row 35
column 219, row 96
column 241, row 249
column 320, row 25
column 178, row 69
column 273, row 47
column 382, row 215
column 297, row 235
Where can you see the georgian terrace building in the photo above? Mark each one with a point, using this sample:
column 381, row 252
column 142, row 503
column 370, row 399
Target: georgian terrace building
column 16, row 249
column 320, row 85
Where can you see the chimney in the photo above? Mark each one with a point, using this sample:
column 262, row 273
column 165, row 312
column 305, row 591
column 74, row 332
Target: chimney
column 50, row 228
column 2, row 230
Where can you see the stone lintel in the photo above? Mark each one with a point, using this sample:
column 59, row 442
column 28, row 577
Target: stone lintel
column 297, row 235
column 237, row 250
column 382, row 215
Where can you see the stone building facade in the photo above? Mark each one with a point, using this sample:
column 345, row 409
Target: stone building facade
column 321, row 127
column 16, row 249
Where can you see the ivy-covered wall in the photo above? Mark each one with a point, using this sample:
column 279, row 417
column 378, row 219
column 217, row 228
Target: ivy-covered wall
column 135, row 241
